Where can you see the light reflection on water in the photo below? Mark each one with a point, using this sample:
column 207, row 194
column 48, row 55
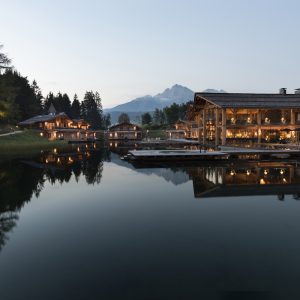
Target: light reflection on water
column 85, row 224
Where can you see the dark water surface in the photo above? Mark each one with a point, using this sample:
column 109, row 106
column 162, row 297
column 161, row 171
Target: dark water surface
column 87, row 225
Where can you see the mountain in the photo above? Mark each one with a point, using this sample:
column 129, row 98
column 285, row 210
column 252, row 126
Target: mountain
column 135, row 108
column 178, row 94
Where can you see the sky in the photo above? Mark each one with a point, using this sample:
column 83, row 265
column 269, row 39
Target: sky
column 130, row 48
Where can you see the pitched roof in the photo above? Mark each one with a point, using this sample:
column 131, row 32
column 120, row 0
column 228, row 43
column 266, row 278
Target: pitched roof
column 124, row 124
column 240, row 100
column 42, row 118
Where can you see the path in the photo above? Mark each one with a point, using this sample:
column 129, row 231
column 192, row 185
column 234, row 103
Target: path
column 11, row 133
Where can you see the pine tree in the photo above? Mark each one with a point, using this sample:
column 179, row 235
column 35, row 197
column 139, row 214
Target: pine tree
column 47, row 102
column 66, row 104
column 92, row 109
column 123, row 118
column 146, row 118
column 38, row 95
column 106, row 121
column 75, row 108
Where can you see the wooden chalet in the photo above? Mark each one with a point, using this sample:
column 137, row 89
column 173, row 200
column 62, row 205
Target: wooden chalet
column 124, row 131
column 183, row 130
column 261, row 118
column 59, row 126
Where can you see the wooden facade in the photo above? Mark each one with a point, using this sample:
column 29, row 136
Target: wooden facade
column 124, row 131
column 184, row 130
column 59, row 126
column 262, row 118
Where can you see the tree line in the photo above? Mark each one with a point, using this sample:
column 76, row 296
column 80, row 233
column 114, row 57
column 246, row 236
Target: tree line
column 164, row 117
column 20, row 100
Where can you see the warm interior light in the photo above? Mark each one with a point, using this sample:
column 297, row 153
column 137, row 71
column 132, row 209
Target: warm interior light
column 262, row 181
column 248, row 172
column 266, row 172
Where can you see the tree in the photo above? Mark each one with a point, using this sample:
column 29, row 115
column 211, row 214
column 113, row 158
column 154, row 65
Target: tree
column 16, row 90
column 159, row 117
column 65, row 104
column 47, row 102
column 75, row 108
column 106, row 121
column 91, row 109
column 38, row 94
column 123, row 118
column 4, row 61
column 172, row 113
column 146, row 118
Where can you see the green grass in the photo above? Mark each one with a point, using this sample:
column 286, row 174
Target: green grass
column 27, row 142
column 155, row 134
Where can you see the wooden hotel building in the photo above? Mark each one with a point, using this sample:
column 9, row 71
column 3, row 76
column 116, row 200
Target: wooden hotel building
column 236, row 117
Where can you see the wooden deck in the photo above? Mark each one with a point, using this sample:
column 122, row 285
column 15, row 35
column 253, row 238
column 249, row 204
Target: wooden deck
column 188, row 155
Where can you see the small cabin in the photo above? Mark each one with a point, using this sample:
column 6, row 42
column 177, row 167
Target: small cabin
column 124, row 131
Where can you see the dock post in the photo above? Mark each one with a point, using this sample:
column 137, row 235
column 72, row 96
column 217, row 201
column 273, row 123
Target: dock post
column 199, row 131
column 217, row 128
column 204, row 126
column 259, row 133
column 293, row 121
column 223, row 126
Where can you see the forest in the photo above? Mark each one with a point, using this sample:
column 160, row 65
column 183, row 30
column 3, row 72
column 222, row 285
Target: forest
column 21, row 99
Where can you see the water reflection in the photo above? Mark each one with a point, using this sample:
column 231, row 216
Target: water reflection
column 261, row 178
column 20, row 180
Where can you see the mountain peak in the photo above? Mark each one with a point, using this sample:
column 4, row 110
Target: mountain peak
column 176, row 94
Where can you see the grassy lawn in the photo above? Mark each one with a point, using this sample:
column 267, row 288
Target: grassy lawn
column 24, row 143
column 155, row 134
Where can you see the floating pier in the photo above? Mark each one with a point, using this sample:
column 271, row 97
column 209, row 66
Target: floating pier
column 193, row 155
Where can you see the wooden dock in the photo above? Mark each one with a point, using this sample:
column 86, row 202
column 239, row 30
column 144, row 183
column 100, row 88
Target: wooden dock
column 193, row 155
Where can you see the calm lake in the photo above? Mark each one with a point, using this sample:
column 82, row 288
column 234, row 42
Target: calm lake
column 84, row 224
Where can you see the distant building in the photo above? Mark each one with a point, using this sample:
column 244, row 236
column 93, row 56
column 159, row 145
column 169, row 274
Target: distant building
column 183, row 130
column 124, row 131
column 59, row 126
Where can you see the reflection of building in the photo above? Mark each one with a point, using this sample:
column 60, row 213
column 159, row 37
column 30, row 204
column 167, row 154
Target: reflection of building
column 59, row 126
column 248, row 179
column 224, row 117
column 124, row 131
